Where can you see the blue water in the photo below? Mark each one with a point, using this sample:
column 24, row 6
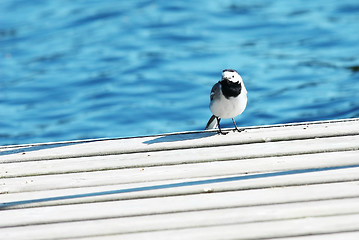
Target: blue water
column 75, row 69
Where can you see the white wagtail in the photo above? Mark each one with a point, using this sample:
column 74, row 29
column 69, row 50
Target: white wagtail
column 228, row 99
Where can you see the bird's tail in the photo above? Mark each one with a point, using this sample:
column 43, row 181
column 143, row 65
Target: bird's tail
column 212, row 122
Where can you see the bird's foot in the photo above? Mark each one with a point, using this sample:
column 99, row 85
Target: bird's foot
column 220, row 132
column 238, row 130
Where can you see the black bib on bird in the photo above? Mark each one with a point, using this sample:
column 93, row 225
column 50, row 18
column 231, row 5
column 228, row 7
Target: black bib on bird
column 230, row 89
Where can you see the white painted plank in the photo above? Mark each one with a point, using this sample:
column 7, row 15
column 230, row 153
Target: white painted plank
column 121, row 176
column 141, row 160
column 273, row 221
column 352, row 235
column 331, row 236
column 182, row 203
column 260, row 230
column 181, row 219
column 270, row 149
column 180, row 141
column 181, row 187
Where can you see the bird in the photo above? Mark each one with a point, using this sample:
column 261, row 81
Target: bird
column 228, row 99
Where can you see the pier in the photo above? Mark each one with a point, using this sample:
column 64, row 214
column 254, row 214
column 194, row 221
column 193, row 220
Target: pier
column 288, row 181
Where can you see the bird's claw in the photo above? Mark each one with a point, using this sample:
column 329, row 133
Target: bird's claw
column 238, row 130
column 222, row 133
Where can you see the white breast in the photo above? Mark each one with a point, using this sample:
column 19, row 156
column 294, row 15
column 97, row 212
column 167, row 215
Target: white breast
column 222, row 107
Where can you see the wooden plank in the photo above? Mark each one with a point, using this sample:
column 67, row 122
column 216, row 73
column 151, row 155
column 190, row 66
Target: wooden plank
column 183, row 203
column 184, row 186
column 287, row 132
column 354, row 235
column 273, row 222
column 58, row 181
column 289, row 181
column 111, row 210
column 176, row 157
column 327, row 236
column 260, row 230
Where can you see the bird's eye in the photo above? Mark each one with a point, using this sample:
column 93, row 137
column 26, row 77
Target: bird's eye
column 232, row 76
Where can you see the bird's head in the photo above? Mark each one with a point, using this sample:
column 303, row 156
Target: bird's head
column 231, row 75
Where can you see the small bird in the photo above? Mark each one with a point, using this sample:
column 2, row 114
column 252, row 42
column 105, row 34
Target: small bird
column 228, row 99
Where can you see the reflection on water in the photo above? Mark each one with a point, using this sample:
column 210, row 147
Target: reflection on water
column 75, row 70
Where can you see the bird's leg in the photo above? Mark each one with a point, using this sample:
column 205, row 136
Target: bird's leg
column 234, row 122
column 219, row 127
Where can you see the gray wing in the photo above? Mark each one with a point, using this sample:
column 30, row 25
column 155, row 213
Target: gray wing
column 212, row 123
column 215, row 91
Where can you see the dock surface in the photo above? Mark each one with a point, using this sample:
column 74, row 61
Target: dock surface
column 292, row 181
